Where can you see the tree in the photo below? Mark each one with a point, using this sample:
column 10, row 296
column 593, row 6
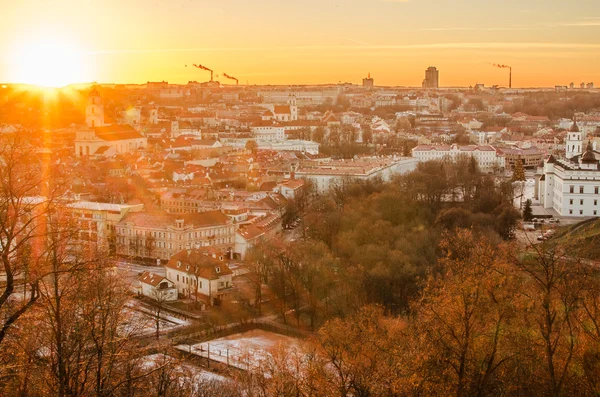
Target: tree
column 519, row 171
column 527, row 211
column 318, row 134
column 462, row 320
column 29, row 192
column 519, row 177
column 251, row 146
column 367, row 134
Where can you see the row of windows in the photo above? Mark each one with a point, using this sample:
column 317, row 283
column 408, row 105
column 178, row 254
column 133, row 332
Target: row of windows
column 204, row 233
column 581, row 189
column 581, row 212
column 581, row 201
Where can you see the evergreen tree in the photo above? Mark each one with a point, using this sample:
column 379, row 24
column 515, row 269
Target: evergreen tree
column 527, row 211
column 519, row 171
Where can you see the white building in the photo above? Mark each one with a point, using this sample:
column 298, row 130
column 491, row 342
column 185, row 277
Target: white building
column 488, row 158
column 157, row 287
column 200, row 273
column 102, row 140
column 571, row 187
column 325, row 175
column 273, row 132
column 294, row 145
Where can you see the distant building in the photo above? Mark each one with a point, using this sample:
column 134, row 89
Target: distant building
column 488, row 158
column 102, row 140
column 327, row 174
column 369, row 82
column 432, row 78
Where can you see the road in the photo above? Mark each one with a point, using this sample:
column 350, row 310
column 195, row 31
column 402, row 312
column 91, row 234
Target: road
column 134, row 269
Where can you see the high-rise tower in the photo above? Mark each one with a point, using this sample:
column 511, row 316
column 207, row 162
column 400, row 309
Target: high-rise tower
column 432, row 78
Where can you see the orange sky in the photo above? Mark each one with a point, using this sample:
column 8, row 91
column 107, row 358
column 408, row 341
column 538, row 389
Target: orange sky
column 547, row 42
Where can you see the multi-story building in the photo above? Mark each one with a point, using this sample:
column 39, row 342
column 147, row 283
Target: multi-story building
column 161, row 235
column 571, row 187
column 432, row 78
column 488, row 158
column 530, row 157
column 325, row 175
column 102, row 140
column 200, row 273
column 96, row 221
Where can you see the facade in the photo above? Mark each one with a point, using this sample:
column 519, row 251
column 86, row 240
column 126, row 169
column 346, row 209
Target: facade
column 102, row 140
column 162, row 235
column 432, row 78
column 269, row 133
column 331, row 173
column 571, row 187
column 157, row 287
column 488, row 158
column 530, row 157
column 96, row 221
column 246, row 238
column 286, row 145
column 200, row 273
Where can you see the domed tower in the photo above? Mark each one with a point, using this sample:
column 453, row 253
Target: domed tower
column 574, row 143
column 588, row 159
column 94, row 111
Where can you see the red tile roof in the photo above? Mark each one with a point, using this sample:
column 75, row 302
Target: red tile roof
column 117, row 132
column 199, row 262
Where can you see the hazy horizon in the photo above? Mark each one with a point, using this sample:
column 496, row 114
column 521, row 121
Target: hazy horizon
column 547, row 43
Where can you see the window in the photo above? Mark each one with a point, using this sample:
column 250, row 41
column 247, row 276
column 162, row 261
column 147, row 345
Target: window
column 571, row 201
column 595, row 202
column 570, row 212
column 571, row 189
column 580, row 189
column 178, row 277
column 596, row 190
column 595, row 212
column 580, row 212
column 581, row 202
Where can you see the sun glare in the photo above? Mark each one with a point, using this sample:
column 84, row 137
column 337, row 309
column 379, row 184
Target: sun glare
column 48, row 62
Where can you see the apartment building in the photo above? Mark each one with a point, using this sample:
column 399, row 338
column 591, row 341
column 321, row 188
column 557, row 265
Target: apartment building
column 161, row 235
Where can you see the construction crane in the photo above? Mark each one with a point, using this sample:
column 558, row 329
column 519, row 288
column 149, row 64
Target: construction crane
column 231, row 78
column 205, row 68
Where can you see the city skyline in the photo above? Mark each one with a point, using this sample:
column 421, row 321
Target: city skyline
column 269, row 42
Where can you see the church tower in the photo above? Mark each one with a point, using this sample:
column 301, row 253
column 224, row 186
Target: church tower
column 94, row 111
column 574, row 143
column 293, row 107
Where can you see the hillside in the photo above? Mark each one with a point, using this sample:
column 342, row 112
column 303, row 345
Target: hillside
column 583, row 237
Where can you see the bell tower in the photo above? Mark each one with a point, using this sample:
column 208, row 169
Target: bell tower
column 574, row 142
column 94, row 111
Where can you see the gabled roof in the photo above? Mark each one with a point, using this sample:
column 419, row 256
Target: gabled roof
column 151, row 278
column 199, row 262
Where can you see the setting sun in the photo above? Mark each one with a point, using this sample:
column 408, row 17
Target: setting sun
column 48, row 62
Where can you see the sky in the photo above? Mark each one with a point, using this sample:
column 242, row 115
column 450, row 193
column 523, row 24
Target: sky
column 547, row 42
